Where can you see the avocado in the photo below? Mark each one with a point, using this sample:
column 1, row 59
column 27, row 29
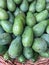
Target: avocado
column 21, row 59
column 5, row 39
column 39, row 45
column 15, row 49
column 27, row 37
column 28, row 52
column 11, row 5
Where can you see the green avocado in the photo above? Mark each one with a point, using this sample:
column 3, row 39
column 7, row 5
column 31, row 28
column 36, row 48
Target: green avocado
column 21, row 59
column 32, row 7
column 40, row 5
column 39, row 28
column 42, row 16
column 28, row 52
column 3, row 14
column 27, row 37
column 39, row 45
column 45, row 54
column 5, row 39
column 15, row 49
column 7, row 26
column 3, row 4
column 30, row 19
column 11, row 5
column 46, row 38
column 24, row 6
column 18, row 26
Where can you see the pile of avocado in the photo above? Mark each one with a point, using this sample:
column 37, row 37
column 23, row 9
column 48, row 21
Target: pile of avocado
column 24, row 29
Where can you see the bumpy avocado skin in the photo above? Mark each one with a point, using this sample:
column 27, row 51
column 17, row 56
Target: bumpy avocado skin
column 28, row 52
column 39, row 45
column 3, row 14
column 15, row 48
column 27, row 37
column 5, row 39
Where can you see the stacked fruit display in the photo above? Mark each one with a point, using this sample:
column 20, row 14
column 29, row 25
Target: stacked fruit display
column 24, row 29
